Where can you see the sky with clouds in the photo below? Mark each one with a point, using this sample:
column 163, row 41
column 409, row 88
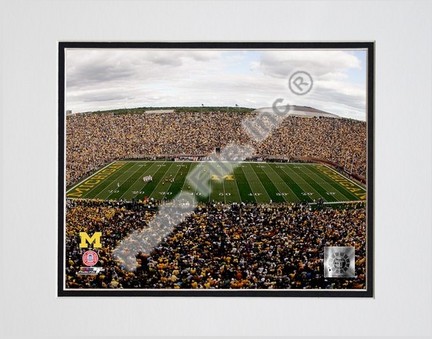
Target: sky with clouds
column 103, row 79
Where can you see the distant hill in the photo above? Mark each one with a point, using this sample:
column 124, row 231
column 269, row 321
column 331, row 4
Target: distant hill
column 302, row 111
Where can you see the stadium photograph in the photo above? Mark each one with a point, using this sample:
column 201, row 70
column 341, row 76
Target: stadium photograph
column 215, row 169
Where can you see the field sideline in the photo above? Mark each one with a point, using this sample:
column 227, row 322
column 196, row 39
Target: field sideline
column 251, row 182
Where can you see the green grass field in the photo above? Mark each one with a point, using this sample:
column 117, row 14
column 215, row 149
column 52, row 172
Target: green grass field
column 259, row 182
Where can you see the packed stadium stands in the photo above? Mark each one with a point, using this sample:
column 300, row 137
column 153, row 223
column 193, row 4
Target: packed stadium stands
column 94, row 140
column 220, row 246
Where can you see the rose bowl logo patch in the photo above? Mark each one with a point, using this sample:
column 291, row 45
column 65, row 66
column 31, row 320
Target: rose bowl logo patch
column 339, row 262
column 90, row 258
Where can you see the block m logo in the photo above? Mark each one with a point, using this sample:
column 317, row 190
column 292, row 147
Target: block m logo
column 86, row 240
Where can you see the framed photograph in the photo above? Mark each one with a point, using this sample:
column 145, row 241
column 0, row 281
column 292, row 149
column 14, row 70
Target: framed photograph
column 216, row 169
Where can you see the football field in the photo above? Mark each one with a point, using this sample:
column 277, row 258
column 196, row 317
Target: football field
column 250, row 182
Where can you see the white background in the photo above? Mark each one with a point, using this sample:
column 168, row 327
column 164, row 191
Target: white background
column 30, row 31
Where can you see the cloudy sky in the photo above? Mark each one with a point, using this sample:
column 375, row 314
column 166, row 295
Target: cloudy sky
column 102, row 79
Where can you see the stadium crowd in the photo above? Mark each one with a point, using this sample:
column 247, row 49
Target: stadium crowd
column 94, row 140
column 270, row 246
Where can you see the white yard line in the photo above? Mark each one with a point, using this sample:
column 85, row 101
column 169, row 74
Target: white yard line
column 160, row 180
column 106, row 189
column 156, row 189
column 236, row 186
column 304, row 181
column 185, row 183
column 329, row 187
column 168, row 190
column 260, row 183
column 139, row 179
column 289, row 188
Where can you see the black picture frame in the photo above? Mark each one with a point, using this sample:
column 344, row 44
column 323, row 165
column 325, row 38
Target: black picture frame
column 368, row 292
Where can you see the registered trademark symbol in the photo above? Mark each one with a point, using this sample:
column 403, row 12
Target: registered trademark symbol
column 300, row 83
